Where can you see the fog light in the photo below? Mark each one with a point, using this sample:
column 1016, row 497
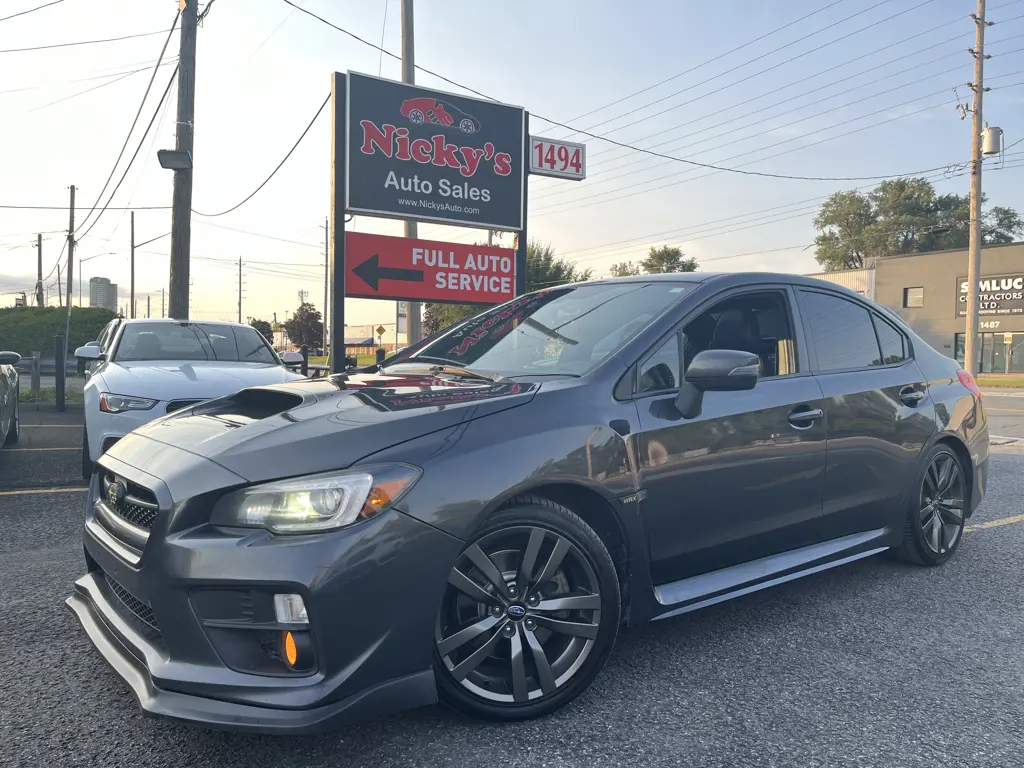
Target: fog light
column 289, row 609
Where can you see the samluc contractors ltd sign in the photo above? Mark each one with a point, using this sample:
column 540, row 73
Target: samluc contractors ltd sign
column 417, row 153
column 997, row 295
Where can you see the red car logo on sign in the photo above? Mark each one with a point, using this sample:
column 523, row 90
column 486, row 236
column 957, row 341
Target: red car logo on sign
column 426, row 109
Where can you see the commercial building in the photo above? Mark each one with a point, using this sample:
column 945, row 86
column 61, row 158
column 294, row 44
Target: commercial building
column 102, row 293
column 929, row 290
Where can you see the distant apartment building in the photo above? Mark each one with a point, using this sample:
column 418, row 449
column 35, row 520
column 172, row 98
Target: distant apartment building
column 102, row 293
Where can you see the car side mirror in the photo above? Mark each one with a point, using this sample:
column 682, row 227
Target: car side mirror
column 88, row 353
column 9, row 358
column 716, row 370
column 291, row 358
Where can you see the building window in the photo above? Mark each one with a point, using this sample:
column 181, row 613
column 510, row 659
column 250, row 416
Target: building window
column 913, row 297
column 997, row 349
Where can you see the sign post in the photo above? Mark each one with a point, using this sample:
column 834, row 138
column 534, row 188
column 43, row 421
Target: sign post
column 336, row 355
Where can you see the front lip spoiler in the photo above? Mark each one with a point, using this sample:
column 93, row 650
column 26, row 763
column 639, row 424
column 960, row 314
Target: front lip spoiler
column 376, row 701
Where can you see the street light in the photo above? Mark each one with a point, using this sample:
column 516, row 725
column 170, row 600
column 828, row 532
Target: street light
column 87, row 258
column 174, row 160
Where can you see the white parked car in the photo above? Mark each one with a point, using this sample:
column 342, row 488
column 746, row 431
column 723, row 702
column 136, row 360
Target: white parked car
column 143, row 369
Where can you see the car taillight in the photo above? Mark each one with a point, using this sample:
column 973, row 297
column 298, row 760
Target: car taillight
column 967, row 379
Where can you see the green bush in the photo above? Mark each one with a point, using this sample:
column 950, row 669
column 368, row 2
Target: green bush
column 31, row 329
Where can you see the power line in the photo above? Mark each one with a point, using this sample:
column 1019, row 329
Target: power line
column 135, row 121
column 258, row 234
column 31, row 10
column 751, row 61
column 116, row 79
column 624, row 145
column 83, row 42
column 272, row 173
column 119, row 70
column 105, row 208
column 64, row 208
column 705, row 63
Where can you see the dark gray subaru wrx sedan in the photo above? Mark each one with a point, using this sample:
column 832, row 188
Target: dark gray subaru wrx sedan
column 474, row 521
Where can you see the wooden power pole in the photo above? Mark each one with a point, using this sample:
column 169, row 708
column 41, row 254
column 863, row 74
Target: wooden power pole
column 971, row 346
column 39, row 271
column 71, row 244
column 133, row 264
column 181, row 214
column 415, row 315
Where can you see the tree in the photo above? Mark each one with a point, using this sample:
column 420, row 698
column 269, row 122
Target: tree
column 901, row 216
column 667, row 258
column 543, row 270
column 265, row 329
column 624, row 269
column 305, row 326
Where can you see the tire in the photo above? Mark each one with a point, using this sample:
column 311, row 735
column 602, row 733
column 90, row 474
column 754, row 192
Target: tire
column 934, row 522
column 14, row 430
column 86, row 460
column 467, row 126
column 560, row 650
column 416, row 117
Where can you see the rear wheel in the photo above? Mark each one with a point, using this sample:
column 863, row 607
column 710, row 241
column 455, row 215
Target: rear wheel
column 935, row 518
column 529, row 615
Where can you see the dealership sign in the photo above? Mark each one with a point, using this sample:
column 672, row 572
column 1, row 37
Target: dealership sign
column 998, row 295
column 417, row 153
column 378, row 266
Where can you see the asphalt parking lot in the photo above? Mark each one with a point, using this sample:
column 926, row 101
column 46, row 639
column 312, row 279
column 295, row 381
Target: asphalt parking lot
column 871, row 664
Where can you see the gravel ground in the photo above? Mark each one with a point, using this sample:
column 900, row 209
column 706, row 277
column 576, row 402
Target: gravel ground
column 871, row 664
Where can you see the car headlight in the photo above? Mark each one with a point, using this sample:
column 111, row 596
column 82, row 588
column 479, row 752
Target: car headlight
column 111, row 403
column 314, row 503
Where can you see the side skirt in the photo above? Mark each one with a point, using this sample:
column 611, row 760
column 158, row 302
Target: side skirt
column 708, row 589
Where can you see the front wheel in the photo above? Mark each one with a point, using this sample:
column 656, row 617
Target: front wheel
column 935, row 518
column 529, row 615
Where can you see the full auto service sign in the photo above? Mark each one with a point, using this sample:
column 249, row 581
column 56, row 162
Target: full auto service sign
column 379, row 266
column 416, row 153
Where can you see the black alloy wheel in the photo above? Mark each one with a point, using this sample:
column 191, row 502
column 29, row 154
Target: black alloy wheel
column 528, row 616
column 935, row 522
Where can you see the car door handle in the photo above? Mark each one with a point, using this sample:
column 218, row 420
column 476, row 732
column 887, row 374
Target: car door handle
column 910, row 396
column 803, row 418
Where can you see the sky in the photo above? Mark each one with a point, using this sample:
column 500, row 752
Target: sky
column 859, row 88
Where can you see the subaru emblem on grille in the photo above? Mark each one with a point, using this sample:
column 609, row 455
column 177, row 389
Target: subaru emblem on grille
column 115, row 494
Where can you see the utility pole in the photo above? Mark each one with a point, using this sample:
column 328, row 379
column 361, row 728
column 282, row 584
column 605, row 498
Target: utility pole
column 239, row 289
column 415, row 314
column 39, row 271
column 327, row 274
column 971, row 346
column 133, row 264
column 162, row 297
column 147, row 306
column 71, row 243
column 60, row 290
column 181, row 214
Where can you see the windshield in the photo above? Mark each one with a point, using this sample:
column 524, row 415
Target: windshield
column 560, row 331
column 193, row 341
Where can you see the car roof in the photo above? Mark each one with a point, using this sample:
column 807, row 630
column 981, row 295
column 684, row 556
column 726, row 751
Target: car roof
column 168, row 320
column 726, row 279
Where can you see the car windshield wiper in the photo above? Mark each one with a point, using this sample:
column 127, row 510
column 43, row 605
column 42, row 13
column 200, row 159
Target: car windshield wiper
column 454, row 370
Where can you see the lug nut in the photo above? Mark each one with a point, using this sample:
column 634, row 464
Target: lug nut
column 533, row 600
column 512, row 591
column 508, row 630
column 496, row 610
column 530, row 624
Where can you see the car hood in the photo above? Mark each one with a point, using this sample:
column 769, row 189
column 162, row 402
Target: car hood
column 308, row 426
column 189, row 380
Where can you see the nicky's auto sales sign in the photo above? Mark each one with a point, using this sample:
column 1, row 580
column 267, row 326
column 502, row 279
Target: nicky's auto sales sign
column 416, row 153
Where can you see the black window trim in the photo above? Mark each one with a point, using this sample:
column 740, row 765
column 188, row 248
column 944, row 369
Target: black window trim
column 908, row 351
column 795, row 323
column 872, row 313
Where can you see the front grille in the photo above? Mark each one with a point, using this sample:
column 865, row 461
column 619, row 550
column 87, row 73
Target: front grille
column 137, row 505
column 177, row 405
column 132, row 604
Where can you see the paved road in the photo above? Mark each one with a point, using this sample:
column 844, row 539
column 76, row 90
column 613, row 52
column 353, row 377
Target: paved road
column 872, row 664
column 1005, row 409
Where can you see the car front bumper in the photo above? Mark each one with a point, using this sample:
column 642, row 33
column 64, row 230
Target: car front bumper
column 179, row 625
